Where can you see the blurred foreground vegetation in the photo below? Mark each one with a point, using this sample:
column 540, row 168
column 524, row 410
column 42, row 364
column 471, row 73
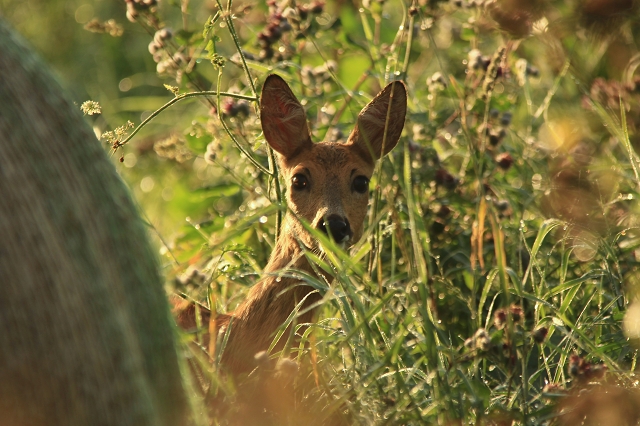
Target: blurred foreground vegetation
column 497, row 277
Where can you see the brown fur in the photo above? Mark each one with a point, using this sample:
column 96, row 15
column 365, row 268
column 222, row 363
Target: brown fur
column 330, row 170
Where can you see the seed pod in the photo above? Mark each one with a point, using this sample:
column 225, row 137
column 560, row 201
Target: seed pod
column 161, row 68
column 303, row 11
column 446, row 179
column 161, row 35
column 317, row 7
column 506, row 118
column 504, row 160
column 539, row 334
column 576, row 365
column 154, row 47
column 483, row 341
column 495, row 137
column 494, row 70
column 476, row 61
column 229, row 109
column 500, row 318
column 516, row 313
column 502, row 205
column 132, row 13
column 243, row 109
column 443, row 211
column 436, row 82
column 266, row 53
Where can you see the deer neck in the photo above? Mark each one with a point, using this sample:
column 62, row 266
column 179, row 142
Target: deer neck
column 269, row 303
column 288, row 253
column 275, row 296
column 276, row 291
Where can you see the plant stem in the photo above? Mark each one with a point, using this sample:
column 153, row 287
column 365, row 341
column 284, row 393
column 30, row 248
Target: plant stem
column 234, row 36
column 179, row 98
column 233, row 138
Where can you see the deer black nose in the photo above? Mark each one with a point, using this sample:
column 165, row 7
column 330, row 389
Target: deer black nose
column 337, row 227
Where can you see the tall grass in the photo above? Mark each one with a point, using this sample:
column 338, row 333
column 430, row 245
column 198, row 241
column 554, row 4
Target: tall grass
column 499, row 255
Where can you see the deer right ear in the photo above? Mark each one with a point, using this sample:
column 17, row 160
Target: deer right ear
column 380, row 123
column 283, row 119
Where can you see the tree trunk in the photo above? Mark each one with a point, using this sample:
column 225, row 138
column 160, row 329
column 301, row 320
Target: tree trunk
column 85, row 333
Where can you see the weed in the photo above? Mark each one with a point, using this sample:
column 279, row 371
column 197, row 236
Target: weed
column 500, row 252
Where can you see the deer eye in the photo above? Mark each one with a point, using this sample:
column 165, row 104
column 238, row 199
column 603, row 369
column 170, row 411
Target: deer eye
column 299, row 181
column 361, row 184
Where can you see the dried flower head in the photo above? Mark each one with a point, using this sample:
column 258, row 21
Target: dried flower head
column 500, row 318
column 91, row 108
column 524, row 70
column 218, row 61
column 504, row 160
column 517, row 313
column 539, row 334
column 193, row 278
column 477, row 62
column 436, row 82
column 173, row 89
column 496, row 136
column 480, row 341
column 110, row 27
column 446, row 179
column 494, row 71
column 115, row 137
column 212, row 152
column 173, row 148
column 583, row 370
column 162, row 35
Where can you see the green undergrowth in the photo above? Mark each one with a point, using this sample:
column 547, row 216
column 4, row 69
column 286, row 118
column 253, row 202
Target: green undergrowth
column 499, row 262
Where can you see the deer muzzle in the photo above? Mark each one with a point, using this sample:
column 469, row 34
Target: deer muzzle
column 337, row 227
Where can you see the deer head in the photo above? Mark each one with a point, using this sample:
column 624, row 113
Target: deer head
column 328, row 183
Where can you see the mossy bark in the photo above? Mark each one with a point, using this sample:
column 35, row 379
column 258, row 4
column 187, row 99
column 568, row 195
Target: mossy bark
column 85, row 333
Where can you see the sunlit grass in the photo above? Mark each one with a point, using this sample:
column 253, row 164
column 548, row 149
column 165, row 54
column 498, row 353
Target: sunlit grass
column 499, row 256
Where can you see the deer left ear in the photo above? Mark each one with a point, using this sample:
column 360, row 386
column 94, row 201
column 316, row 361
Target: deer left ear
column 380, row 122
column 283, row 119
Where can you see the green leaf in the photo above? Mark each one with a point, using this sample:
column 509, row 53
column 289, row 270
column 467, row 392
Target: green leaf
column 210, row 48
column 196, row 143
column 218, row 190
column 467, row 32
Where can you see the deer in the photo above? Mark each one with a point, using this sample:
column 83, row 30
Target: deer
column 328, row 188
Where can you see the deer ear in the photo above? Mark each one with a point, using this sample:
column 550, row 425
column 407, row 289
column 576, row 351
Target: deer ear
column 380, row 122
column 283, row 119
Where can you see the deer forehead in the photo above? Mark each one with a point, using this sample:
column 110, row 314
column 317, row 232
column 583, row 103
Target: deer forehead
column 328, row 161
